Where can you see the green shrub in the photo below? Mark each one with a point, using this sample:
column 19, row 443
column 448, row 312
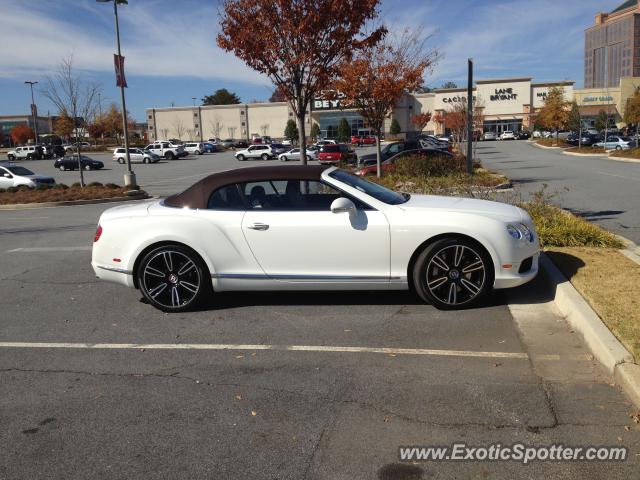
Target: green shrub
column 558, row 228
column 111, row 185
column 95, row 184
column 60, row 186
column 42, row 187
column 432, row 166
column 23, row 188
column 75, row 185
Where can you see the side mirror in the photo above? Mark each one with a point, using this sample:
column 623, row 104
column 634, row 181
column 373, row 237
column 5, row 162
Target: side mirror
column 342, row 205
column 7, row 175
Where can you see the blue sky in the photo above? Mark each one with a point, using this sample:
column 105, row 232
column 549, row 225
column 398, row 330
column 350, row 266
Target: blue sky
column 171, row 54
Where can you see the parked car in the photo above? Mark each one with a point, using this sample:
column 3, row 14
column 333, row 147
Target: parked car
column 53, row 151
column 294, row 154
column 215, row 140
column 523, row 135
column 388, row 151
column 70, row 162
column 228, row 143
column 360, row 140
column 136, row 155
column 194, row 148
column 256, row 151
column 431, row 141
column 166, row 149
column 28, row 152
column 278, row 148
column 12, row 175
column 210, row 147
column 451, row 251
column 489, row 136
column 507, row 135
column 614, row 143
column 331, row 154
column 389, row 164
column 320, row 143
column 240, row 144
column 537, row 134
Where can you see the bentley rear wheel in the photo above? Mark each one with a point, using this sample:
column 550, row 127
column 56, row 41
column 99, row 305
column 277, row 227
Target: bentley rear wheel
column 173, row 278
column 453, row 273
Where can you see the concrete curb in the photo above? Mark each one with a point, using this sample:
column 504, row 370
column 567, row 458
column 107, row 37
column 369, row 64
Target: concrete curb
column 604, row 345
column 606, row 348
column 537, row 145
column 576, row 154
column 622, row 159
column 71, row 203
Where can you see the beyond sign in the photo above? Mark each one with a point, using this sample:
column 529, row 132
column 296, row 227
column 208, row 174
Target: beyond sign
column 503, row 94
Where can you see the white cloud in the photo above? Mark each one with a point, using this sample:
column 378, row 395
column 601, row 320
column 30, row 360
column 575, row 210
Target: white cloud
column 155, row 40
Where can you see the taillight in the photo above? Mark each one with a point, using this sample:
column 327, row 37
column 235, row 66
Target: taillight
column 96, row 237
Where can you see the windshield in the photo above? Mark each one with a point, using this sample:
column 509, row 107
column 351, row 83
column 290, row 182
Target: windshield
column 20, row 171
column 372, row 189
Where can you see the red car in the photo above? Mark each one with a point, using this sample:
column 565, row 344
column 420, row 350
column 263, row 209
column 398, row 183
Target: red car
column 363, row 140
column 388, row 165
column 332, row 154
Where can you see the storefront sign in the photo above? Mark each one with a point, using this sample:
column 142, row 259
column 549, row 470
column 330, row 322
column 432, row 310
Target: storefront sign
column 601, row 99
column 457, row 99
column 328, row 100
column 503, row 94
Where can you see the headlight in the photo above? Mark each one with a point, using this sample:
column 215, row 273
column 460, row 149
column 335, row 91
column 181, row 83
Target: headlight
column 514, row 232
column 526, row 232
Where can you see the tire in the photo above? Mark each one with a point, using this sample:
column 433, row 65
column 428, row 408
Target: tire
column 29, row 157
column 283, row 158
column 164, row 286
column 198, row 152
column 11, row 157
column 618, row 147
column 62, row 168
column 264, row 156
column 169, row 156
column 145, row 160
column 453, row 288
column 241, row 158
column 121, row 161
column 87, row 167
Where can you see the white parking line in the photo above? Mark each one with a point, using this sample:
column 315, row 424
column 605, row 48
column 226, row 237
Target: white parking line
column 294, row 348
column 50, row 249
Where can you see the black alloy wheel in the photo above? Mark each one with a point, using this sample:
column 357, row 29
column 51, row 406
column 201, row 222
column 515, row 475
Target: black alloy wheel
column 173, row 278
column 453, row 273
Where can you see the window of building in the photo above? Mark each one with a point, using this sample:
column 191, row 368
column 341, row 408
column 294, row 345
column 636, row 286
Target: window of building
column 195, row 114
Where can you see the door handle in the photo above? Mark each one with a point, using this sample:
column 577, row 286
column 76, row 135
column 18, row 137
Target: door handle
column 259, row 226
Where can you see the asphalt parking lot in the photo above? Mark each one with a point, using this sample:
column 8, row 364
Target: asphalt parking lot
column 97, row 384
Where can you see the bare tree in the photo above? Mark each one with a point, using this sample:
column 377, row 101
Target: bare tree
column 216, row 126
column 165, row 133
column 264, row 128
column 179, row 128
column 232, row 132
column 71, row 94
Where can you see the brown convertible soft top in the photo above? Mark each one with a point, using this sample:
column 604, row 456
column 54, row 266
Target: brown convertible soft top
column 197, row 195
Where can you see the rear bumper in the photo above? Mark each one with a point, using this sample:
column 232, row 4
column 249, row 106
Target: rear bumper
column 113, row 274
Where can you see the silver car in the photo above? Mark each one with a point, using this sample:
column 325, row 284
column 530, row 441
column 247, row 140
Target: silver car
column 294, row 154
column 488, row 136
column 137, row 155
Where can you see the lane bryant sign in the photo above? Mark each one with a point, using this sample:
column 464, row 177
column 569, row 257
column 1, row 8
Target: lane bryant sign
column 503, row 94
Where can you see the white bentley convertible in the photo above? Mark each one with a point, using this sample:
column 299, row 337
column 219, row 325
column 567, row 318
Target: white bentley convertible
column 312, row 228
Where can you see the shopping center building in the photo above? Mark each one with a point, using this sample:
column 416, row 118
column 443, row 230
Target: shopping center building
column 504, row 104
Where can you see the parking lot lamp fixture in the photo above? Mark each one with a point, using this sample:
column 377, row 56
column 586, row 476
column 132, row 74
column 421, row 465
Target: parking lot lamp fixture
column 129, row 177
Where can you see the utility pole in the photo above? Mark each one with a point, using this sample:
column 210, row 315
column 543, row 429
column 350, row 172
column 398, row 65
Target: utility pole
column 129, row 177
column 34, row 112
column 470, row 116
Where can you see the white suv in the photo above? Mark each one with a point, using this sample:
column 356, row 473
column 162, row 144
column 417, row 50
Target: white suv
column 195, row 148
column 256, row 151
column 167, row 150
column 19, row 153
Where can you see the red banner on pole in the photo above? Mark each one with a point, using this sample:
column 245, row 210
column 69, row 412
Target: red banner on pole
column 118, row 61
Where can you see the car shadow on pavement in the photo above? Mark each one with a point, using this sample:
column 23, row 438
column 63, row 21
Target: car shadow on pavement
column 228, row 300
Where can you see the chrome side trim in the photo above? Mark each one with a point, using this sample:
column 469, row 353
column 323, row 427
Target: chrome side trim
column 115, row 269
column 252, row 276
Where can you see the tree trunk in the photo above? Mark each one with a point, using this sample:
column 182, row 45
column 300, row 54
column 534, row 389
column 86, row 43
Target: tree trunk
column 79, row 159
column 302, row 140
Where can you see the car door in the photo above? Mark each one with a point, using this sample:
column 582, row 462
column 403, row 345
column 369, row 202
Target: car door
column 135, row 155
column 6, row 178
column 295, row 237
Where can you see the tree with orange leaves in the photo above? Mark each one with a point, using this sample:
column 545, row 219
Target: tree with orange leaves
column 380, row 74
column 421, row 120
column 21, row 133
column 298, row 44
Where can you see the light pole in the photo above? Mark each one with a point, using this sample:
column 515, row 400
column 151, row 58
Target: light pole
column 129, row 177
column 194, row 101
column 33, row 111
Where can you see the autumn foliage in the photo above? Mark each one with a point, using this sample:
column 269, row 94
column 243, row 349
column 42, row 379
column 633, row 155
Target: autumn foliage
column 421, row 120
column 298, row 44
column 21, row 133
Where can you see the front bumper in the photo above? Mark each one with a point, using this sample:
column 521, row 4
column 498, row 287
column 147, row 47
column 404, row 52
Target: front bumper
column 511, row 277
